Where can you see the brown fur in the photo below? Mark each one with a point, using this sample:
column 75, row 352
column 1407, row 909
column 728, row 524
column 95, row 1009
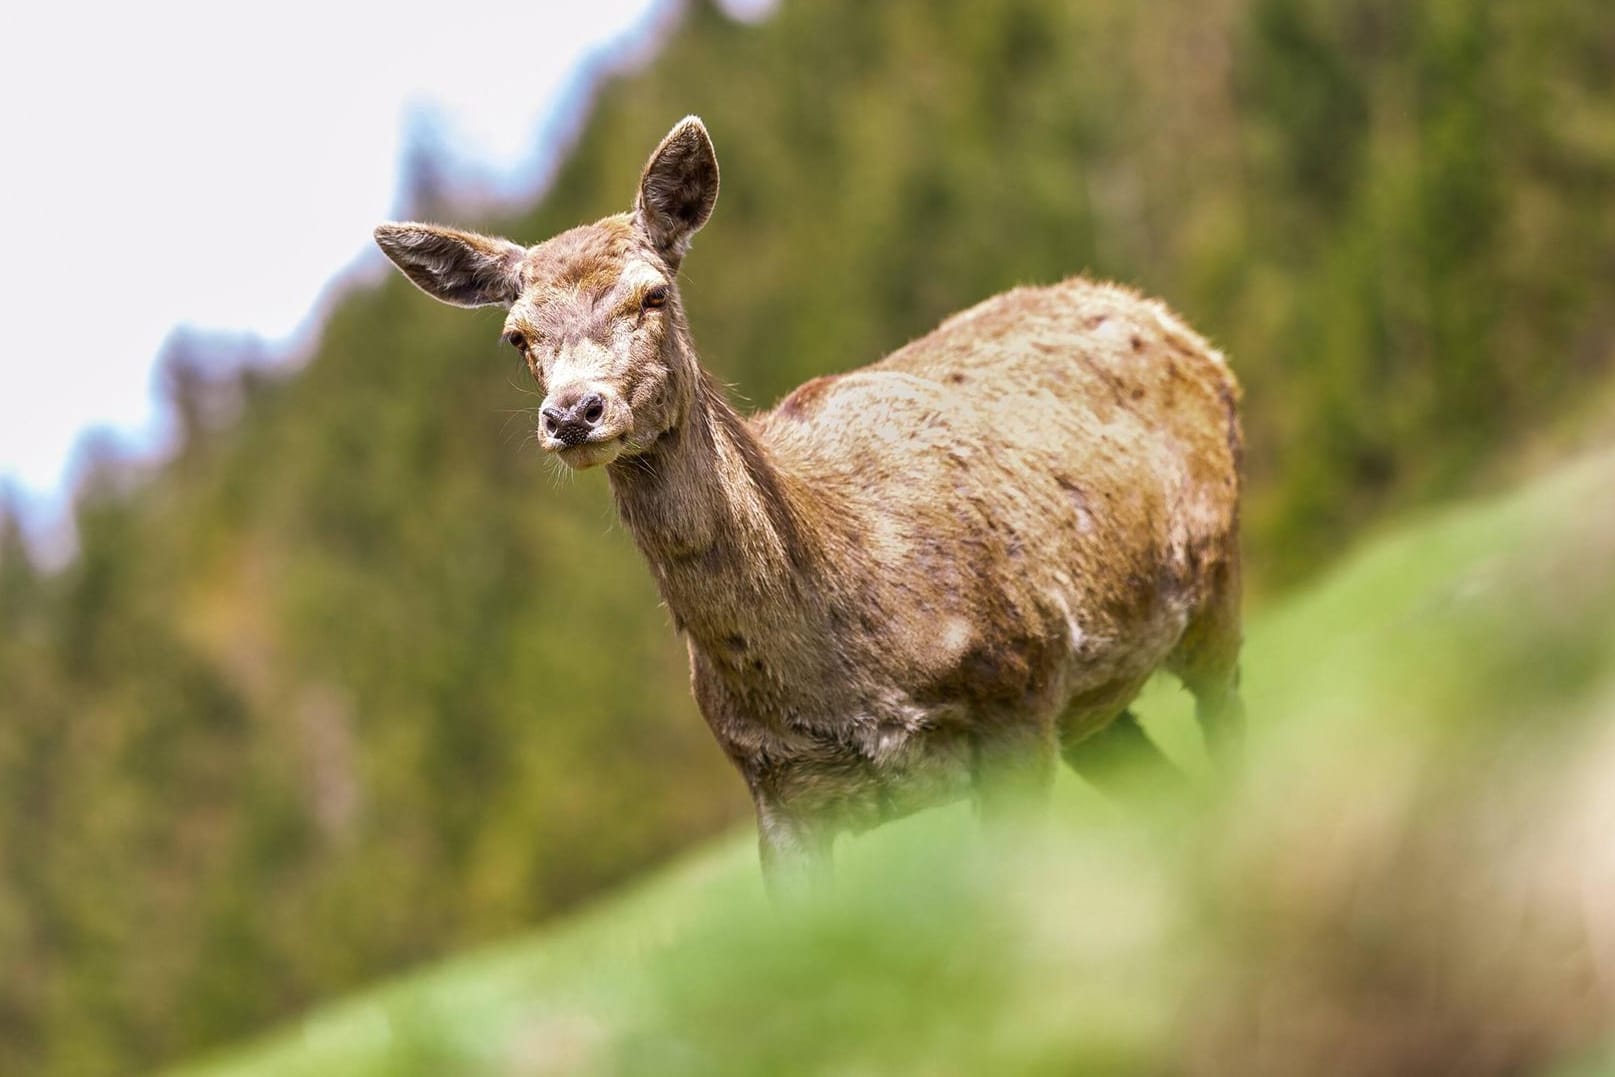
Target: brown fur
column 914, row 579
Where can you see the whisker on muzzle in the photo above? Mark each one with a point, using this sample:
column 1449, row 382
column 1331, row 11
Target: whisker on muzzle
column 512, row 414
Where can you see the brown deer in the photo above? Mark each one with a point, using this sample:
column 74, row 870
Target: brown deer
column 915, row 581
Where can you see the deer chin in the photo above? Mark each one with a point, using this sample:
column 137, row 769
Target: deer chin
column 590, row 453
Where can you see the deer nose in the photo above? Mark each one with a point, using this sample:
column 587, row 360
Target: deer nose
column 571, row 415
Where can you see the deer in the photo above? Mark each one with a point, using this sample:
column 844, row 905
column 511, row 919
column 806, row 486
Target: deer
column 923, row 580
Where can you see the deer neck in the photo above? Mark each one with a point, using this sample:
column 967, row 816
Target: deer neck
column 724, row 529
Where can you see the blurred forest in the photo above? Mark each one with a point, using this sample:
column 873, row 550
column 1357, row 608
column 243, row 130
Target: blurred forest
column 356, row 680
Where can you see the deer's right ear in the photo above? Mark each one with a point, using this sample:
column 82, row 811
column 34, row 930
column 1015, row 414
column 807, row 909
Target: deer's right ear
column 462, row 268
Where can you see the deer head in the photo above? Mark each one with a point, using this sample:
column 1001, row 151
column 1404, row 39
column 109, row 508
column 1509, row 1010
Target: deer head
column 595, row 310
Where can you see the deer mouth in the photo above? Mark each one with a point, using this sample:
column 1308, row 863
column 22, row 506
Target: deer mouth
column 586, row 454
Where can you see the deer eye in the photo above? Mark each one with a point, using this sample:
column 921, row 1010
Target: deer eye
column 656, row 297
column 517, row 339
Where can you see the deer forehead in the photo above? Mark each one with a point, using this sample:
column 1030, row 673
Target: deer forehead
column 583, row 274
column 626, row 280
column 602, row 309
column 591, row 256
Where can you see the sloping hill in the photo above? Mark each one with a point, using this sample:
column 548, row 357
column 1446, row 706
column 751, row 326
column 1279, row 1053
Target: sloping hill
column 1415, row 875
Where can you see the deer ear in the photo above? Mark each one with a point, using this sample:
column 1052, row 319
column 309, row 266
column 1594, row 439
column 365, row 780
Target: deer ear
column 679, row 188
column 457, row 267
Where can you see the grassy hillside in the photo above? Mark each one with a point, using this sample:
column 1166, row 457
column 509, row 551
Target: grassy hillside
column 355, row 682
column 1414, row 875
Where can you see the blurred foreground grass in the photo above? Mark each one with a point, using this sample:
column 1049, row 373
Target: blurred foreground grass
column 1416, row 874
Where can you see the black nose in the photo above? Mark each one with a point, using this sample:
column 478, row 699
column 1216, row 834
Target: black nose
column 572, row 417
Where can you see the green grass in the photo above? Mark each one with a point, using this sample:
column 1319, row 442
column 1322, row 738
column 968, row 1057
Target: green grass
column 1379, row 892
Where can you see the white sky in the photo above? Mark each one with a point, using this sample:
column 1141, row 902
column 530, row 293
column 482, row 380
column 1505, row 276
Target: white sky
column 215, row 164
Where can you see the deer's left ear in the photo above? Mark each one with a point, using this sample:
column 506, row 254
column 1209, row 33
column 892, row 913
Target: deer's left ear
column 679, row 188
column 462, row 268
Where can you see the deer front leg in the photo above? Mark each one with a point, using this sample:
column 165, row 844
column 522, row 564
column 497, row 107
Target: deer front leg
column 1014, row 772
column 795, row 853
column 1221, row 714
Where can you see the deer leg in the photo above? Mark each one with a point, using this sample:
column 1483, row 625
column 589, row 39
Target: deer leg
column 1014, row 771
column 1112, row 759
column 1220, row 712
column 795, row 853
column 1207, row 662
